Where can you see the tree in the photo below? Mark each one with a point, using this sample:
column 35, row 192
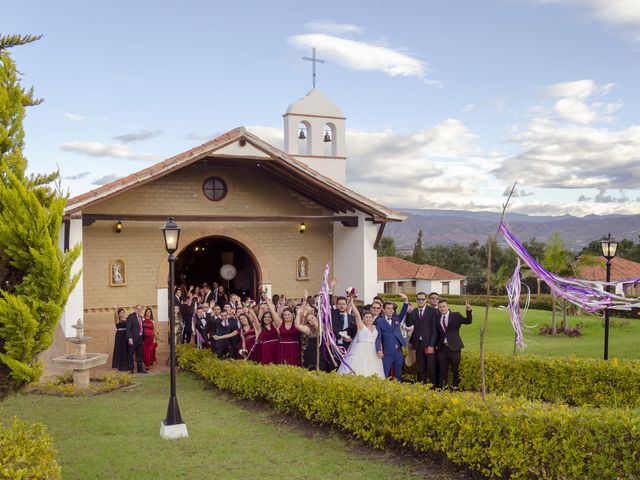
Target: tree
column 387, row 247
column 556, row 259
column 35, row 276
column 418, row 252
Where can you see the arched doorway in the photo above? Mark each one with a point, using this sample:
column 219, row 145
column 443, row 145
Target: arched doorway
column 200, row 262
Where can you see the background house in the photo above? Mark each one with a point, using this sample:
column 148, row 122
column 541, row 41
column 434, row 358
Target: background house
column 622, row 269
column 396, row 275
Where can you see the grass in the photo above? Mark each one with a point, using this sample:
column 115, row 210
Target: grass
column 117, row 436
column 623, row 340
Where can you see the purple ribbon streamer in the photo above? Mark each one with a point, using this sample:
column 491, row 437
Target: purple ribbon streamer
column 586, row 294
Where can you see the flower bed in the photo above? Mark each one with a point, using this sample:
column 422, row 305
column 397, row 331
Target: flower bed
column 499, row 437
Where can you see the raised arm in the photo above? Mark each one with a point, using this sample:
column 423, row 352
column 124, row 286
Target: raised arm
column 405, row 306
column 298, row 321
column 356, row 313
column 254, row 320
column 277, row 321
column 467, row 307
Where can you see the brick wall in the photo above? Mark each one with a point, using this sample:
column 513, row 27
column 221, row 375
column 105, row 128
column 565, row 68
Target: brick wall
column 276, row 246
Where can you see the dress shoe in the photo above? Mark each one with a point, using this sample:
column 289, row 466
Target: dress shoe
column 143, row 371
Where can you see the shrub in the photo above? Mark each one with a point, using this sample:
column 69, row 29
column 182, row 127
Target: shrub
column 576, row 381
column 499, row 437
column 26, row 452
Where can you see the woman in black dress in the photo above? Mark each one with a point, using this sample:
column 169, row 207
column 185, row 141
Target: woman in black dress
column 119, row 359
column 307, row 323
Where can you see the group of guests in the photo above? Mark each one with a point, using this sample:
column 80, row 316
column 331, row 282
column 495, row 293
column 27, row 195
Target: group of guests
column 287, row 331
column 136, row 336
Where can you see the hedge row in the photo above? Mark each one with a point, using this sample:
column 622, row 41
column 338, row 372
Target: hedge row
column 26, row 452
column 500, row 437
column 576, row 381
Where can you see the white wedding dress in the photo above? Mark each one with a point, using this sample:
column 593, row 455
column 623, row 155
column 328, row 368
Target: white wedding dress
column 362, row 358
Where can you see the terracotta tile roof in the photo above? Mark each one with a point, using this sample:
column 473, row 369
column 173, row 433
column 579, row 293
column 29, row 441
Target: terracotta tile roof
column 183, row 159
column 394, row 268
column 621, row 269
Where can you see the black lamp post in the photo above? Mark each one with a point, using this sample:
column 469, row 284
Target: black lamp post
column 172, row 426
column 609, row 247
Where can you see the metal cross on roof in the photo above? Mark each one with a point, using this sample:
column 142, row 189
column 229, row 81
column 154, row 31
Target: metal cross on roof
column 313, row 61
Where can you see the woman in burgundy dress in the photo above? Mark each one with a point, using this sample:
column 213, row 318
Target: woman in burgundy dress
column 249, row 330
column 149, row 343
column 269, row 338
column 289, row 335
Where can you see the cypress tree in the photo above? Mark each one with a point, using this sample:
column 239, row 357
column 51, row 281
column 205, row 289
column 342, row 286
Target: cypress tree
column 35, row 275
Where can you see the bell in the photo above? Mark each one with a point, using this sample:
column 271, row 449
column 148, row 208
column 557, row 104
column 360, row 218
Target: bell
column 302, row 136
column 327, row 137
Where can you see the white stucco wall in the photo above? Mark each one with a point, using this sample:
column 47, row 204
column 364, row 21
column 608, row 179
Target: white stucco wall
column 355, row 262
column 334, row 168
column 74, row 309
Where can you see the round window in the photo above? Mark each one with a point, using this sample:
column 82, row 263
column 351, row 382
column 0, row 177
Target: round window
column 214, row 189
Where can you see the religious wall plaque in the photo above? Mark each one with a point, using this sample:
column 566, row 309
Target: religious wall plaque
column 117, row 273
column 302, row 268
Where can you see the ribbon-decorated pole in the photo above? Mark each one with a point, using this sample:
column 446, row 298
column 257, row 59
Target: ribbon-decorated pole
column 332, row 350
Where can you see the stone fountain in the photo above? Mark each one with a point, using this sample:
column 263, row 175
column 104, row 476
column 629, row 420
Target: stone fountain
column 81, row 362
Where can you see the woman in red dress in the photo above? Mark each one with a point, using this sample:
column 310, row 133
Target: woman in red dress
column 249, row 330
column 269, row 338
column 289, row 336
column 149, row 343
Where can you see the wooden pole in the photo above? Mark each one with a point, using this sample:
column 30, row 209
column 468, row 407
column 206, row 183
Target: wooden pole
column 483, row 329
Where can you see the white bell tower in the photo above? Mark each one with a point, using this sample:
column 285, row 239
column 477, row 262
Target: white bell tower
column 314, row 132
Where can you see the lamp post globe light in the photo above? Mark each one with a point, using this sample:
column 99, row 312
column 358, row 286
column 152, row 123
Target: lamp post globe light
column 172, row 426
column 609, row 247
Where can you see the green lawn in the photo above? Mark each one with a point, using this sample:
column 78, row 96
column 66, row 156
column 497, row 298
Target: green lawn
column 116, row 436
column 623, row 340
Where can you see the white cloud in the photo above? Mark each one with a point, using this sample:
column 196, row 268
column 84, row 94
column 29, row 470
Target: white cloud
column 363, row 56
column 554, row 154
column 74, row 117
column 139, row 136
column 621, row 13
column 112, row 177
column 575, row 111
column 579, row 89
column 77, row 176
column 330, row 26
column 97, row 149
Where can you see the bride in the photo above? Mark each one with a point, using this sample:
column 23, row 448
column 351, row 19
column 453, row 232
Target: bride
column 362, row 358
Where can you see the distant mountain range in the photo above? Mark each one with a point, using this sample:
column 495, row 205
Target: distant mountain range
column 459, row 226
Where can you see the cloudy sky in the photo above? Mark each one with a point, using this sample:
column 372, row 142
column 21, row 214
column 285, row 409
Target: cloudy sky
column 447, row 103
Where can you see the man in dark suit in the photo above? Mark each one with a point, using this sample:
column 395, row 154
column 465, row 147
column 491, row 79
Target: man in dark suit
column 221, row 331
column 423, row 339
column 343, row 325
column 135, row 337
column 449, row 343
column 390, row 341
column 210, row 296
column 199, row 322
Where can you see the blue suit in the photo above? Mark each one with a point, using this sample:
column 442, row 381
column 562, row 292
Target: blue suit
column 390, row 342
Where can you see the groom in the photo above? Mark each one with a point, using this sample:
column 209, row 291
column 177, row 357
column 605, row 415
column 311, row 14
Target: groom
column 389, row 341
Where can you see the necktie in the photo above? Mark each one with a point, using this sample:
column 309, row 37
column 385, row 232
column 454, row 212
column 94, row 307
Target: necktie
column 344, row 320
column 443, row 323
column 420, row 313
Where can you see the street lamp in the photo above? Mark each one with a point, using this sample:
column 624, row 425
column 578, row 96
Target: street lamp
column 609, row 247
column 172, row 426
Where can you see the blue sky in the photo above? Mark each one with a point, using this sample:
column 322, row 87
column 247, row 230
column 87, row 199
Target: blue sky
column 447, row 103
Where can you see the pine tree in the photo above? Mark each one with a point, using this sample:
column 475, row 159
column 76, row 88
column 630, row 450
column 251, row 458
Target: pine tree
column 418, row 252
column 35, row 276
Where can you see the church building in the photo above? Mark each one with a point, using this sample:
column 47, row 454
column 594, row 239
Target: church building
column 248, row 212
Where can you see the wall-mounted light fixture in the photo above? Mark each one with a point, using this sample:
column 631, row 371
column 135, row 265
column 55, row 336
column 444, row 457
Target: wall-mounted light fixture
column 118, row 227
column 303, row 227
